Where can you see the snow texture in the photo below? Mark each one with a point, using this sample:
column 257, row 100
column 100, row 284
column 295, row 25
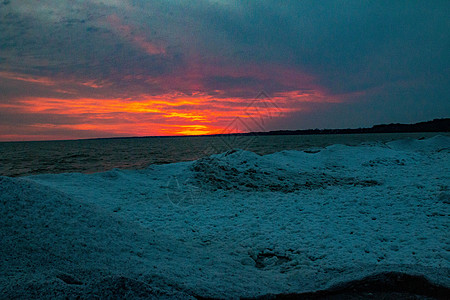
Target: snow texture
column 230, row 225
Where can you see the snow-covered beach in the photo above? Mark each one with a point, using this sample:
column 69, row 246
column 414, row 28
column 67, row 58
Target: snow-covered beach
column 231, row 225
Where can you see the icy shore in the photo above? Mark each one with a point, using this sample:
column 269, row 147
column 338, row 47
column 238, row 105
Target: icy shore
column 230, row 225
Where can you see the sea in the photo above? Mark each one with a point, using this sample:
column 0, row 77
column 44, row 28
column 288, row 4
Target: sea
column 98, row 155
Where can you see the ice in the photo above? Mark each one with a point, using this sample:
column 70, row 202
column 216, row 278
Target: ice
column 435, row 144
column 53, row 242
column 245, row 171
column 235, row 224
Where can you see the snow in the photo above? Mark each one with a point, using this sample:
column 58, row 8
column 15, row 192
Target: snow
column 230, row 225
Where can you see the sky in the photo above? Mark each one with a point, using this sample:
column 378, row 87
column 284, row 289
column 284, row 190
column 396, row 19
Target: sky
column 110, row 68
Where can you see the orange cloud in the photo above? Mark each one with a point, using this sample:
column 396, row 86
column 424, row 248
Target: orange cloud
column 170, row 114
column 27, row 78
column 194, row 112
column 133, row 35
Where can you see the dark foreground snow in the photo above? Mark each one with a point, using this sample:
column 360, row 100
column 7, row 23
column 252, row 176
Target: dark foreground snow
column 231, row 225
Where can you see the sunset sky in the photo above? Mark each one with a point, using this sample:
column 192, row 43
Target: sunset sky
column 109, row 68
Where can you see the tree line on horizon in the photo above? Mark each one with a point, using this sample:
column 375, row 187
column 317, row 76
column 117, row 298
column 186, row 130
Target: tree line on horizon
column 436, row 125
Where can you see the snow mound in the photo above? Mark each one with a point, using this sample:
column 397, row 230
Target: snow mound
column 246, row 171
column 296, row 222
column 52, row 243
column 437, row 143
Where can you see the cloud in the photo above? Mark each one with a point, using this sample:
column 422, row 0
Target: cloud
column 332, row 63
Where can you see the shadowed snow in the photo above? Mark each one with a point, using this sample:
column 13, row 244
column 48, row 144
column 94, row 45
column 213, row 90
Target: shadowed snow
column 230, row 225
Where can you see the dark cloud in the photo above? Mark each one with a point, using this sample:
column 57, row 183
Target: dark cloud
column 82, row 47
column 386, row 61
column 349, row 45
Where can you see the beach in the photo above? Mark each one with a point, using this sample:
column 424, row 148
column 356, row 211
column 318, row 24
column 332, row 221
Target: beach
column 230, row 225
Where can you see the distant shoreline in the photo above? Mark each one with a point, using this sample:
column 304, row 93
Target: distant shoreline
column 436, row 125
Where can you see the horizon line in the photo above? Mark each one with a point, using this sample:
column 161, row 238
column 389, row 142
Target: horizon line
column 245, row 133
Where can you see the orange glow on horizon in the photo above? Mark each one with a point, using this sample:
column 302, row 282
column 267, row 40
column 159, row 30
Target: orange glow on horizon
column 171, row 114
column 195, row 112
column 163, row 115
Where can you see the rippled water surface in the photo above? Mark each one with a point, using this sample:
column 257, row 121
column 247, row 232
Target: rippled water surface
column 89, row 156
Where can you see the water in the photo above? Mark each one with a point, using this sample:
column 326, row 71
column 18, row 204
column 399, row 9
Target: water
column 90, row 156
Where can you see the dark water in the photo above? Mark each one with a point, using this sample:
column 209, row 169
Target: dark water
column 89, row 156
